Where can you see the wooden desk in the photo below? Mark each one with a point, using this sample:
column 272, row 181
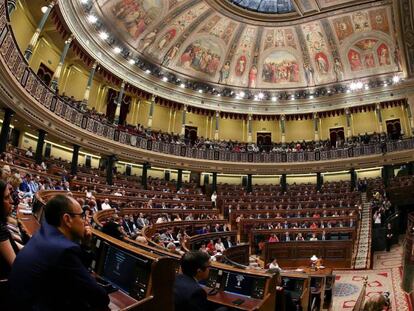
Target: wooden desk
column 226, row 299
column 119, row 300
column 29, row 222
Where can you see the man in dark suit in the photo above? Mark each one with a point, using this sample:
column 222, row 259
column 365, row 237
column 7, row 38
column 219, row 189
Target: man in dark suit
column 188, row 294
column 49, row 272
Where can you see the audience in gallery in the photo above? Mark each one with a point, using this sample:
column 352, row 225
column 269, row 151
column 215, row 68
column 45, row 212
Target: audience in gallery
column 235, row 146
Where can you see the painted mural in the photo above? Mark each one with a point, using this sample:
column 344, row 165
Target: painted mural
column 191, row 38
column 202, row 56
column 368, row 54
column 280, row 67
column 136, row 15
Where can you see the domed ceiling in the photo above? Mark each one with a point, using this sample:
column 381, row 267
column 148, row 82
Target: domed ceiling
column 194, row 39
column 266, row 47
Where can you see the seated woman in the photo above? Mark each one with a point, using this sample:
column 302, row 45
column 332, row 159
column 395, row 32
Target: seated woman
column 8, row 248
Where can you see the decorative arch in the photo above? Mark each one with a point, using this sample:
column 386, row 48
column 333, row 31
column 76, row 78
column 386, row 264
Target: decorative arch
column 368, row 55
column 281, row 66
column 203, row 55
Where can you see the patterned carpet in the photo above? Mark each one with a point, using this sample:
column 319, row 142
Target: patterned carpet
column 385, row 277
column 363, row 245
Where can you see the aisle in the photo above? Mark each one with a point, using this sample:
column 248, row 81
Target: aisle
column 386, row 276
column 363, row 245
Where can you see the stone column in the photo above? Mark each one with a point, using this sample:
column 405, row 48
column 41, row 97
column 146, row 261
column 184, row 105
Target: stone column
column 39, row 146
column 379, row 117
column 283, row 183
column 29, row 50
column 109, row 169
column 214, row 182
column 11, row 6
column 249, row 183
column 144, row 176
column 282, row 124
column 216, row 132
column 89, row 85
column 58, row 71
column 179, row 178
column 75, row 160
column 183, row 120
column 119, row 103
column 151, row 111
column 5, row 128
column 348, row 123
column 410, row 118
column 249, row 129
column 316, row 125
column 319, row 181
column 353, row 178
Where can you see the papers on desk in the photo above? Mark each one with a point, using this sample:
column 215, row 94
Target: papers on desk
column 299, row 270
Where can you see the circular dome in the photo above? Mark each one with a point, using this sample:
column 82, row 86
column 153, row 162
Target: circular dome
column 266, row 6
column 206, row 48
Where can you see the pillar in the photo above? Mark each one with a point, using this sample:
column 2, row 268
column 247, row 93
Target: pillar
column 348, row 123
column 387, row 174
column 119, row 103
column 58, row 71
column 151, row 111
column 109, row 169
column 282, row 124
column 39, row 146
column 379, row 117
column 11, row 6
column 353, row 178
column 29, row 50
column 249, row 129
column 89, row 85
column 5, row 129
column 179, row 178
column 316, row 125
column 249, row 183
column 283, row 183
column 319, row 181
column 183, row 120
column 214, row 182
column 75, row 160
column 144, row 176
column 410, row 118
column 216, row 132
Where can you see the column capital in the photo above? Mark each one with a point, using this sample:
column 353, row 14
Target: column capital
column 347, row 111
column 250, row 116
column 315, row 115
column 378, row 106
column 283, row 117
column 153, row 97
column 217, row 113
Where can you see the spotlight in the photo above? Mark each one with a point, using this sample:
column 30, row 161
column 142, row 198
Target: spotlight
column 260, row 95
column 103, row 35
column 182, row 85
column 148, row 71
column 44, row 9
column 131, row 62
column 165, row 79
column 117, row 50
column 200, row 91
column 242, row 94
column 311, row 97
column 92, row 19
column 396, row 79
column 274, row 98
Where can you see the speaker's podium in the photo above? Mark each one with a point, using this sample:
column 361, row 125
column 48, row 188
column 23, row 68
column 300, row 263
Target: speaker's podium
column 241, row 289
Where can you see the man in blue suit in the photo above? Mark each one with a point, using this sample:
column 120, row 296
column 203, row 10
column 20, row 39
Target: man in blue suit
column 188, row 294
column 49, row 272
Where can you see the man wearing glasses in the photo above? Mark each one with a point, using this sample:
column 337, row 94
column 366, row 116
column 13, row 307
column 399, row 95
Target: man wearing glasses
column 48, row 274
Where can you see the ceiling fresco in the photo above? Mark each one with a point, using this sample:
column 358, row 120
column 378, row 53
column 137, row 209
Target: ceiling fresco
column 192, row 39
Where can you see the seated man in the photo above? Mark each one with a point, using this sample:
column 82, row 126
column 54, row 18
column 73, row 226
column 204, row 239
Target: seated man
column 48, row 274
column 188, row 295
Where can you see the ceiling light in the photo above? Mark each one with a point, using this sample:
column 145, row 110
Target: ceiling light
column 241, row 94
column 148, row 71
column 165, row 79
column 200, row 91
column 396, row 79
column 256, row 97
column 311, row 97
column 92, row 19
column 359, row 85
column 366, row 87
column 131, row 62
column 218, row 94
column 260, row 95
column 274, row 98
column 44, row 9
column 103, row 35
column 385, row 83
column 182, row 85
column 117, row 50
column 292, row 97
column 348, row 91
column 84, row 1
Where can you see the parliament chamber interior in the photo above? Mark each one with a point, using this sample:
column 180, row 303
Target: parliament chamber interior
column 207, row 155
